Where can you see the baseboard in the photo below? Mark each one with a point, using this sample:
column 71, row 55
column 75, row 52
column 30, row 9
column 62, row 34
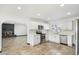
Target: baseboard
column 14, row 36
column 64, row 44
column 28, row 43
column 20, row 35
column 52, row 42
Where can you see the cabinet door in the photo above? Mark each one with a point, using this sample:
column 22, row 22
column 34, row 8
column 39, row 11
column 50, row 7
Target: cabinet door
column 37, row 39
column 70, row 40
column 56, row 39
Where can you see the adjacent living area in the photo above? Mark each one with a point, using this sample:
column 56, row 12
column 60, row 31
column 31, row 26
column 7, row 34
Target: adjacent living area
column 39, row 29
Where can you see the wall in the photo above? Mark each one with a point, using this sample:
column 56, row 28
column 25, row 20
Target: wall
column 63, row 24
column 0, row 37
column 20, row 29
column 34, row 25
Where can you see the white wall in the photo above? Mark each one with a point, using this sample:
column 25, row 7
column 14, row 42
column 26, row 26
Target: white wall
column 0, row 37
column 1, row 21
column 34, row 25
column 20, row 29
column 63, row 24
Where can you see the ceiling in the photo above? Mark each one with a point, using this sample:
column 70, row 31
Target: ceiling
column 45, row 12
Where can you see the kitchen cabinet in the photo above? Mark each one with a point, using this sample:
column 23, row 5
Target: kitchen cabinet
column 70, row 40
column 56, row 38
column 64, row 37
column 67, row 37
column 52, row 37
column 34, row 38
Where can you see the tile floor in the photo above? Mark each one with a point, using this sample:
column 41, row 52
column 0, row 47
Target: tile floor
column 18, row 46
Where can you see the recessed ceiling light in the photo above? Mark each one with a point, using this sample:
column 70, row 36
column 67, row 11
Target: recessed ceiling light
column 48, row 18
column 61, row 5
column 38, row 14
column 68, row 13
column 19, row 8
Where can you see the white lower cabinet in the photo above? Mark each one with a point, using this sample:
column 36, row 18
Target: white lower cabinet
column 70, row 40
column 34, row 39
column 53, row 38
column 56, row 38
column 37, row 39
column 66, row 39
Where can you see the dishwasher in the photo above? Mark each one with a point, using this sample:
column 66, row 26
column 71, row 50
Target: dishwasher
column 63, row 39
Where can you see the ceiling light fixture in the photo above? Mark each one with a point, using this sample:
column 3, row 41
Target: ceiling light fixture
column 38, row 14
column 48, row 18
column 19, row 8
column 68, row 13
